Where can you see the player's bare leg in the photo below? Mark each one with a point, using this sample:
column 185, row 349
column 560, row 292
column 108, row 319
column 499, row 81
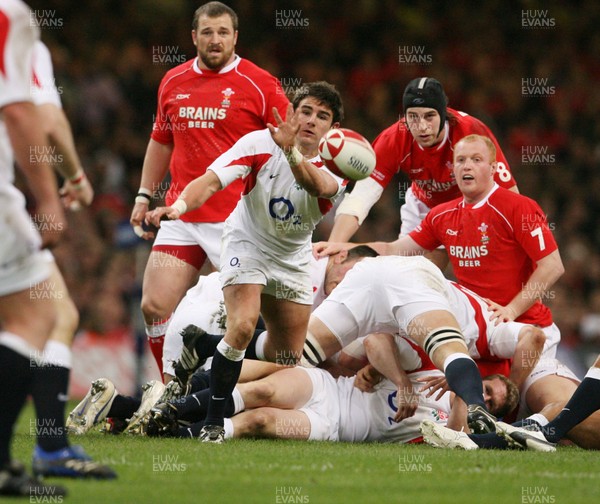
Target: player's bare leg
column 53, row 456
column 30, row 314
column 286, row 389
column 583, row 404
column 166, row 281
column 271, row 423
column 287, row 323
column 439, row 334
column 51, row 380
column 255, row 370
column 320, row 342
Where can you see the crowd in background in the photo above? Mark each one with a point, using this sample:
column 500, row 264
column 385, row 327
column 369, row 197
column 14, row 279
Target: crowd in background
column 530, row 70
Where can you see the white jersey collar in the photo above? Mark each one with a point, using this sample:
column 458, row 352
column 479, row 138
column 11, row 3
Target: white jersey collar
column 225, row 69
column 444, row 140
column 484, row 200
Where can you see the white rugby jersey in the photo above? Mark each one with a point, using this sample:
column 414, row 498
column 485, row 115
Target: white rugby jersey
column 43, row 86
column 18, row 37
column 275, row 212
column 369, row 416
column 385, row 293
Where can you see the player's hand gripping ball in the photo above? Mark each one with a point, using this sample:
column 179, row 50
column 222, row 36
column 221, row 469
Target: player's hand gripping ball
column 347, row 153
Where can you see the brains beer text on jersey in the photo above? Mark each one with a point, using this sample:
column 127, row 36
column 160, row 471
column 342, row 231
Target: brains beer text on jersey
column 202, row 117
column 467, row 256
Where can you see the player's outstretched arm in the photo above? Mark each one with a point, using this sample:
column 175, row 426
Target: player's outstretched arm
column 315, row 182
column 354, row 209
column 193, row 196
column 344, row 227
column 404, row 245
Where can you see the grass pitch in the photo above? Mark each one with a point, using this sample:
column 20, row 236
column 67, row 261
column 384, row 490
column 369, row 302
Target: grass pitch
column 276, row 472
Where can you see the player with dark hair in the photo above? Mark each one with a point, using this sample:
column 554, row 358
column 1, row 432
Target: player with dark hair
column 204, row 106
column 266, row 243
column 420, row 145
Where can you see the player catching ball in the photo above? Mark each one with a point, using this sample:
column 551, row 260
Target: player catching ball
column 266, row 243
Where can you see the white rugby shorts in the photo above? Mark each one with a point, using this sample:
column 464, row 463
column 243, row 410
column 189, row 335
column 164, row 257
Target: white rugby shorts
column 22, row 263
column 412, row 214
column 322, row 409
column 242, row 262
column 207, row 235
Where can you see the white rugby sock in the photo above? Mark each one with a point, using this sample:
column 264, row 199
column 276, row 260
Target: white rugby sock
column 228, row 428
column 58, row 354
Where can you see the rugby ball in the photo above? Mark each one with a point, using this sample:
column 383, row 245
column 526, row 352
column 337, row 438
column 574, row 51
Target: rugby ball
column 347, row 153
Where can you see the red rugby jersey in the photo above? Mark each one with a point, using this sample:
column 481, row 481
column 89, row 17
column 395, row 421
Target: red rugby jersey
column 493, row 245
column 203, row 113
column 430, row 169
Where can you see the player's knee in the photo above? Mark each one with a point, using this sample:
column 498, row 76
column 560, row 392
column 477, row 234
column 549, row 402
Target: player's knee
column 153, row 308
column 538, row 336
column 241, row 329
column 535, row 335
column 262, row 393
column 33, row 325
column 370, row 342
column 259, row 421
column 67, row 320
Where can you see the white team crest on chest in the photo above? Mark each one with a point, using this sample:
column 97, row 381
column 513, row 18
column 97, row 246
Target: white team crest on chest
column 483, row 230
column 227, row 94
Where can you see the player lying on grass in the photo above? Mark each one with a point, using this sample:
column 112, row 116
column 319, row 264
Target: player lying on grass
column 202, row 306
column 550, row 393
column 309, row 403
column 410, row 296
column 410, row 281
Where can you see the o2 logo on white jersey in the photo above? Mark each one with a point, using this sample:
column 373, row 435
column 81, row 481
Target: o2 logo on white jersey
column 392, row 404
column 281, row 209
